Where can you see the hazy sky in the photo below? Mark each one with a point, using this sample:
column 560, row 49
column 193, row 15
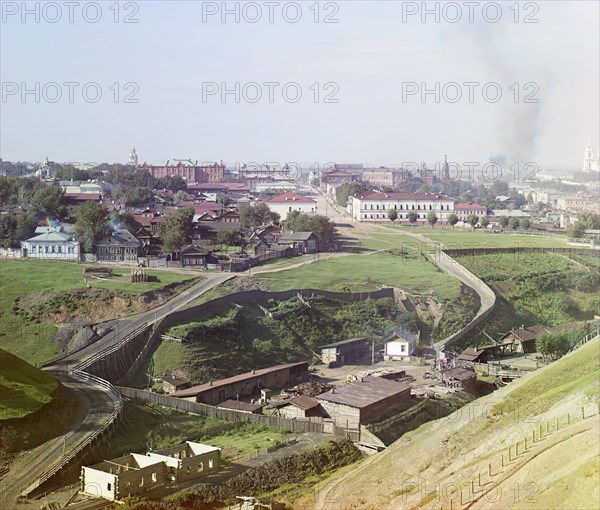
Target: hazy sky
column 369, row 57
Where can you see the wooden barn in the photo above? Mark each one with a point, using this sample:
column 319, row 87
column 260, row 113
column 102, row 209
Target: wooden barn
column 366, row 400
column 345, row 351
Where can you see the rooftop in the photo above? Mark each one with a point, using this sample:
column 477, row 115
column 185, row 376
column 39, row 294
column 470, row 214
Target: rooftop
column 378, row 195
column 290, row 196
column 365, row 392
column 196, row 390
column 459, row 373
column 344, row 342
column 296, row 236
column 238, row 405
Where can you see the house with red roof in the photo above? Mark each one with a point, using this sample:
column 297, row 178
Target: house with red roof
column 291, row 201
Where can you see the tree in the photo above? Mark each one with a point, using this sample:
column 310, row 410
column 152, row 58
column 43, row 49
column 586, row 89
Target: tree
column 16, row 227
column 412, row 217
column 484, row 222
column 473, row 219
column 553, row 345
column 452, row 219
column 176, row 230
column 229, row 237
column 503, row 220
column 392, row 215
column 172, row 183
column 585, row 220
column 49, row 201
column 321, row 226
column 432, row 219
column 252, row 216
column 514, row 223
column 525, row 223
column 91, row 225
column 124, row 220
column 349, row 189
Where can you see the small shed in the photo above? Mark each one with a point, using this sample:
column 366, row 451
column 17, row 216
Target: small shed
column 473, row 355
column 305, row 241
column 459, row 377
column 345, row 351
column 243, row 407
column 300, row 407
column 172, row 384
column 400, row 346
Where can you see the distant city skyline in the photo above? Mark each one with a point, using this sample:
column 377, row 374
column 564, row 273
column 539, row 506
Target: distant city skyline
column 376, row 64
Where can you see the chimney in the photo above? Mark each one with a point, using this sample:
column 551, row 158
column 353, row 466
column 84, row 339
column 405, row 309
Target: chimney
column 332, row 390
column 210, row 383
column 254, row 371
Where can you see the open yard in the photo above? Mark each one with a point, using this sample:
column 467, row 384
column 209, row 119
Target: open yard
column 32, row 340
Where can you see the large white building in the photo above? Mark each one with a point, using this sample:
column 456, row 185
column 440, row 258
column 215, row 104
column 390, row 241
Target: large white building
column 51, row 245
column 291, row 201
column 375, row 205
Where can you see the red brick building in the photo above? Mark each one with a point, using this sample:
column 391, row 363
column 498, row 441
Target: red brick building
column 190, row 173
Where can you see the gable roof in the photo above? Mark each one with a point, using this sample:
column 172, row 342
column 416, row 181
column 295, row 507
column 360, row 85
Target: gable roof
column 459, row 373
column 51, row 237
column 364, row 392
column 404, row 334
column 238, row 405
column 466, row 207
column 344, row 342
column 121, row 237
column 295, row 236
column 290, row 196
column 470, row 354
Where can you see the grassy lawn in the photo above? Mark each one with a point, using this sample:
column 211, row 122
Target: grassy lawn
column 152, row 427
column 463, row 238
column 23, row 388
column 33, row 341
column 367, row 272
column 169, row 355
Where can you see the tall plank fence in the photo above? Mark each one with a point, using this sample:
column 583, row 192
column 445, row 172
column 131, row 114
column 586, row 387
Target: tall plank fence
column 299, row 425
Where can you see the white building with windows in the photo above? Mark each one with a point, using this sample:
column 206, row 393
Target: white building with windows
column 591, row 162
column 375, row 205
column 291, row 201
column 51, row 245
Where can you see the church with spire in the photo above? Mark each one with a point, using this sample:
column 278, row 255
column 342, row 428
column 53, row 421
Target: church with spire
column 133, row 157
column 591, row 163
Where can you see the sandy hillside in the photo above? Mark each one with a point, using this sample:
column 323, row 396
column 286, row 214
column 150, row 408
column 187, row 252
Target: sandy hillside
column 457, row 462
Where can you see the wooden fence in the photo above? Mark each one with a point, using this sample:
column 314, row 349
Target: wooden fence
column 299, row 425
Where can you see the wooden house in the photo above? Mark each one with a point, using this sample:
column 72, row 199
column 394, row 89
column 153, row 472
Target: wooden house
column 345, row 351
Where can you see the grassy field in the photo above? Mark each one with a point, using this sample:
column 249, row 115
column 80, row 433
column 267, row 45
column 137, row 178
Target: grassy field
column 23, row 388
column 33, row 341
column 463, row 238
column 358, row 273
column 537, row 288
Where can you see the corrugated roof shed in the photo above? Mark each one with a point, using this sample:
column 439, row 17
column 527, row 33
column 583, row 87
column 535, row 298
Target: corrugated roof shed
column 365, row 392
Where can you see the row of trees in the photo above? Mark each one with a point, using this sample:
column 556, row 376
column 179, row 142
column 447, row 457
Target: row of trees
column 472, row 220
column 585, row 220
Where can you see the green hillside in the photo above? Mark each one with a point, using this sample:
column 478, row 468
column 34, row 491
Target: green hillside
column 23, row 388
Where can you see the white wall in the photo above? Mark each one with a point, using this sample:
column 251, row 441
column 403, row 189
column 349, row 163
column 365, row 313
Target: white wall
column 284, row 208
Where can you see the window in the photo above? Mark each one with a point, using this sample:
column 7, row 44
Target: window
column 402, row 348
column 141, row 482
column 210, row 463
column 154, row 477
column 200, row 467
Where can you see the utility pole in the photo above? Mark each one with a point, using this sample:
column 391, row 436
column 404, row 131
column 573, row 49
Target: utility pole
column 372, row 353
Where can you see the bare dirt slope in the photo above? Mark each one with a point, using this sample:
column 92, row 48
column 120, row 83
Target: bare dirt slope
column 470, row 458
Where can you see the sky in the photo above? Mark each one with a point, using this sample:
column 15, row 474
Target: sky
column 341, row 82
